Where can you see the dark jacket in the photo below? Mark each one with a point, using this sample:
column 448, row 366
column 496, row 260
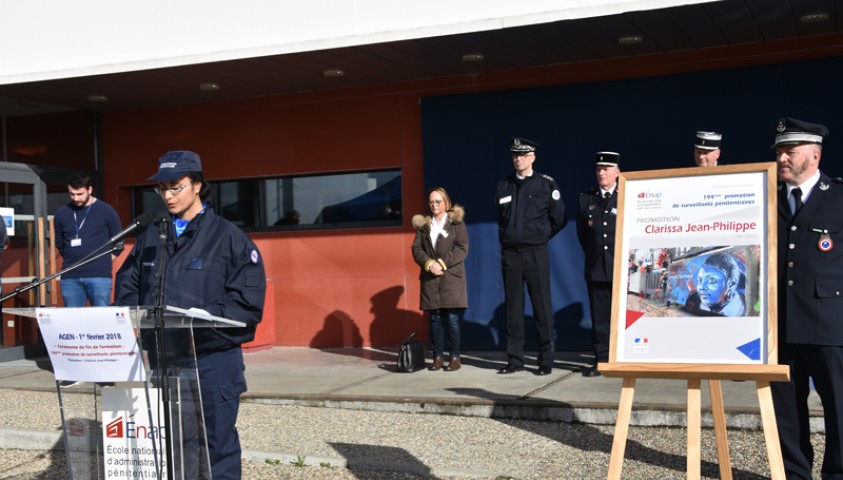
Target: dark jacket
column 3, row 235
column 810, row 279
column 99, row 222
column 213, row 265
column 448, row 290
column 530, row 211
column 596, row 218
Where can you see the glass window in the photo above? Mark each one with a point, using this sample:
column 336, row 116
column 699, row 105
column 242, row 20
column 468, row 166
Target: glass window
column 361, row 199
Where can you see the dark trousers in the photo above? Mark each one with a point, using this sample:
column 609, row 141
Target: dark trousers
column 600, row 305
column 222, row 381
column 533, row 268
column 824, row 364
column 445, row 322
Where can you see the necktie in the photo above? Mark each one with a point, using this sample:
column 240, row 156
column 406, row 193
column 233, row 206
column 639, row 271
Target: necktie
column 606, row 195
column 797, row 199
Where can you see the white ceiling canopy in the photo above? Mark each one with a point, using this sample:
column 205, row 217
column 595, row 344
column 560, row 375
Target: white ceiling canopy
column 54, row 39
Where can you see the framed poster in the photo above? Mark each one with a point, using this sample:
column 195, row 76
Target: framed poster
column 695, row 266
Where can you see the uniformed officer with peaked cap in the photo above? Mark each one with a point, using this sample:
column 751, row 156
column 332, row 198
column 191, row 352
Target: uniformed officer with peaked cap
column 707, row 148
column 810, row 297
column 530, row 213
column 596, row 217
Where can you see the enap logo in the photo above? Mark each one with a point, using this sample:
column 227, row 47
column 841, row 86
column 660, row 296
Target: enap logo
column 120, row 428
column 648, row 200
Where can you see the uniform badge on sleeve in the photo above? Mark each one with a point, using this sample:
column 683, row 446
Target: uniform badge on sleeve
column 253, row 255
column 555, row 194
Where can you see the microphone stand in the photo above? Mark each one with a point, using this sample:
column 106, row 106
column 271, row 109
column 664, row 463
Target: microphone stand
column 158, row 318
column 115, row 244
column 115, row 247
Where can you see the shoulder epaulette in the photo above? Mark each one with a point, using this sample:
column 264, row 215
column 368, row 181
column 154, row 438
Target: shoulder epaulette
column 547, row 177
column 837, row 179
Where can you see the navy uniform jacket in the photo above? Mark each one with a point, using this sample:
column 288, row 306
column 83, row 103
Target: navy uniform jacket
column 810, row 279
column 596, row 233
column 213, row 265
column 530, row 211
column 3, row 235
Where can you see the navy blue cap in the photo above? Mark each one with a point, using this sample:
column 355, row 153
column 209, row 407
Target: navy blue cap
column 608, row 159
column 176, row 164
column 522, row 145
column 708, row 140
column 791, row 131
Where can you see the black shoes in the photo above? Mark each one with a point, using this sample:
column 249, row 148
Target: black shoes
column 510, row 368
column 591, row 371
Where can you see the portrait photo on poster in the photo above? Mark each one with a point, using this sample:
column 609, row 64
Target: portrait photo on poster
column 695, row 281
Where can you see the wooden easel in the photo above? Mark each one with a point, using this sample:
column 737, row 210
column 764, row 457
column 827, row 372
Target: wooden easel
column 694, row 374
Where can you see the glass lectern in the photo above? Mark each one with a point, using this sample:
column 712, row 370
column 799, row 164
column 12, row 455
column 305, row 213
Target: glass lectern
column 128, row 389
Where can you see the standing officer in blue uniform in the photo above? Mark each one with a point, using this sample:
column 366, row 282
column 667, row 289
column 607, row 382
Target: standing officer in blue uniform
column 596, row 215
column 810, row 297
column 212, row 266
column 530, row 213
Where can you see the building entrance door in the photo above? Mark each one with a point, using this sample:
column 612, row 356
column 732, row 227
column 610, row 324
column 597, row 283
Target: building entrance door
column 23, row 204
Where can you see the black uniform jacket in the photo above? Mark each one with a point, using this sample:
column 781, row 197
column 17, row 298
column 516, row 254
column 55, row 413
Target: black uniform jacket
column 596, row 232
column 810, row 263
column 213, row 265
column 530, row 211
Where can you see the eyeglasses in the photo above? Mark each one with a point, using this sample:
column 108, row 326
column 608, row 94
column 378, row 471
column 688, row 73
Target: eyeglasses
column 436, row 202
column 174, row 190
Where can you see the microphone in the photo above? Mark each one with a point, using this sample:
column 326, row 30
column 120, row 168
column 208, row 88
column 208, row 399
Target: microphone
column 139, row 223
column 162, row 230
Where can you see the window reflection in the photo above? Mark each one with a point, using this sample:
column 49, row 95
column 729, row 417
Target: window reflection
column 361, row 199
column 349, row 199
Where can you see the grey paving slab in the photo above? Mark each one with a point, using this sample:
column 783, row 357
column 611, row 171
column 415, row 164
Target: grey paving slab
column 365, row 378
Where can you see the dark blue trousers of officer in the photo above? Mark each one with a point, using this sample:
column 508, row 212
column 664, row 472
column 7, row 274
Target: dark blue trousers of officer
column 600, row 303
column 222, row 380
column 533, row 268
column 823, row 364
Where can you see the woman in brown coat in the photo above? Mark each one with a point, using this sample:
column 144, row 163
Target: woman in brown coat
column 440, row 248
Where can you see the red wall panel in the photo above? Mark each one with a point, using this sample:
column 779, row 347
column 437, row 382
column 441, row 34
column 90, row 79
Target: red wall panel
column 329, row 288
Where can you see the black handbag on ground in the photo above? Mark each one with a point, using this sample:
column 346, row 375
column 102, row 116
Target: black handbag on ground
column 410, row 355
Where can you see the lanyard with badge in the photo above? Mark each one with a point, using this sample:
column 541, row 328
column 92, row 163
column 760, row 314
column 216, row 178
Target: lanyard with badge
column 77, row 242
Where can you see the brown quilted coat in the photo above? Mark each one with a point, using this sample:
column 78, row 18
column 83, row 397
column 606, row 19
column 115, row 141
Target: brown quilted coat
column 448, row 290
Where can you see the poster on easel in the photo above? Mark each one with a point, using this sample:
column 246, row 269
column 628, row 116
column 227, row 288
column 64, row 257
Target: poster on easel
column 694, row 271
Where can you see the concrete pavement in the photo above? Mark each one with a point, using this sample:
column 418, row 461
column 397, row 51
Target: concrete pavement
column 365, row 378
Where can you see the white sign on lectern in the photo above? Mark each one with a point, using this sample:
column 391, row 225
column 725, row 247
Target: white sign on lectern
column 91, row 344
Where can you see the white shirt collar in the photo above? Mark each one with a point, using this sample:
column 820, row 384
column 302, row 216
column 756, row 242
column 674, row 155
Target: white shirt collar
column 436, row 228
column 439, row 224
column 807, row 186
